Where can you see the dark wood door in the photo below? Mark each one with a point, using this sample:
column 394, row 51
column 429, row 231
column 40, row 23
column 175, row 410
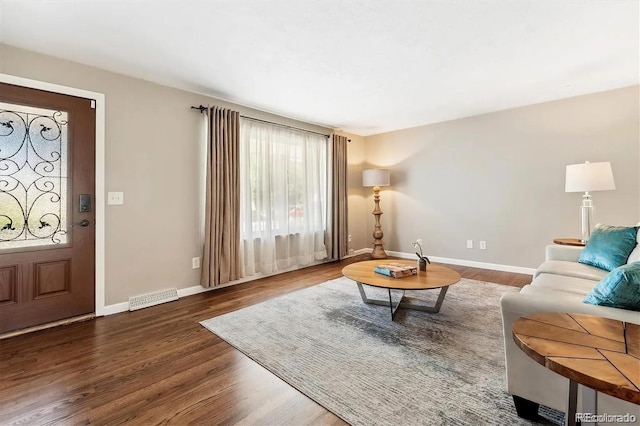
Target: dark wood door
column 47, row 238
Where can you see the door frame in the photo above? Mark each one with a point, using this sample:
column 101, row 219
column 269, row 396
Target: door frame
column 100, row 196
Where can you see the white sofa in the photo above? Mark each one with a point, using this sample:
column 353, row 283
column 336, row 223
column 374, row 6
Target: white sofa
column 559, row 285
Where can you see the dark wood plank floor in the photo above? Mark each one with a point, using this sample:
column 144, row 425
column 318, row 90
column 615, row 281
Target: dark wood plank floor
column 158, row 365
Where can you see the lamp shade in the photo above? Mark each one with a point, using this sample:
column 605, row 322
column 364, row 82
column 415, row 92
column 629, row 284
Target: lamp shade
column 376, row 177
column 589, row 177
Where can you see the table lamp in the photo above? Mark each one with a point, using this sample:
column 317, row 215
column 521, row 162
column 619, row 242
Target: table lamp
column 376, row 178
column 588, row 177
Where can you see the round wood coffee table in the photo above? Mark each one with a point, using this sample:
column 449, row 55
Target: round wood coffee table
column 599, row 353
column 436, row 276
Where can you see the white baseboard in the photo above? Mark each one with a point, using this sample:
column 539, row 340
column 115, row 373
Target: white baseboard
column 363, row 251
column 190, row 291
column 471, row 263
column 182, row 292
column 196, row 289
column 115, row 309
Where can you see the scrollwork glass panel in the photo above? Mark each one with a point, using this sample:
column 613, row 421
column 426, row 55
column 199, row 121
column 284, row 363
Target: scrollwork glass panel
column 33, row 176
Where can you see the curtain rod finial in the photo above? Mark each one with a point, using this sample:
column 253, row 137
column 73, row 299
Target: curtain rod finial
column 201, row 108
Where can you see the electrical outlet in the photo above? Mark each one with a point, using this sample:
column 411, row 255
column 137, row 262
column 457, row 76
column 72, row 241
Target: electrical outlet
column 195, row 262
column 483, row 245
column 470, row 244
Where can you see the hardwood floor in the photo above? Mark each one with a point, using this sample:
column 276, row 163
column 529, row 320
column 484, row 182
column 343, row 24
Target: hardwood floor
column 158, row 365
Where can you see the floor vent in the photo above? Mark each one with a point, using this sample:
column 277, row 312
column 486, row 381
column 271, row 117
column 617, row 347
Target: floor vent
column 152, row 299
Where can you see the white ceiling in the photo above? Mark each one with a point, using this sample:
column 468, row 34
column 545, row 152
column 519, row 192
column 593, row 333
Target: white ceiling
column 366, row 66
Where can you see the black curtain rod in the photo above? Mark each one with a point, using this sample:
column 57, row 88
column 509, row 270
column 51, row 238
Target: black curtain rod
column 203, row 108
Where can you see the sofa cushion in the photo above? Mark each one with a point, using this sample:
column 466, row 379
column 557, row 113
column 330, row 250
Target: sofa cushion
column 571, row 269
column 619, row 289
column 564, row 283
column 609, row 246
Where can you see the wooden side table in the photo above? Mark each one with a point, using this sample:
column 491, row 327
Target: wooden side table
column 569, row 242
column 599, row 353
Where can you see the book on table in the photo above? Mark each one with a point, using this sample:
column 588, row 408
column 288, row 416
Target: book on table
column 395, row 270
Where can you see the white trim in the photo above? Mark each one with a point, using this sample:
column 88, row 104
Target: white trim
column 197, row 289
column 183, row 292
column 471, row 263
column 115, row 308
column 100, row 309
column 101, row 196
column 363, row 251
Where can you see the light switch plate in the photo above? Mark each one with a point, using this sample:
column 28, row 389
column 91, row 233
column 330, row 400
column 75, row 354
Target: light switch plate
column 115, row 198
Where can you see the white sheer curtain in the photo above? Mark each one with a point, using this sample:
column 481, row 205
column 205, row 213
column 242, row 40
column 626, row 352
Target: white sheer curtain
column 283, row 197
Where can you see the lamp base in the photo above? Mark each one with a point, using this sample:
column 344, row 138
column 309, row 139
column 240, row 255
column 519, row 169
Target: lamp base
column 587, row 216
column 378, row 252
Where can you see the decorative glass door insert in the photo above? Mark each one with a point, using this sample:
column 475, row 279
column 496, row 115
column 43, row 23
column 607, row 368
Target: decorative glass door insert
column 33, row 177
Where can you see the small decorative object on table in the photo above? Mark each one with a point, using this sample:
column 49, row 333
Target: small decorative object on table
column 422, row 259
column 395, row 270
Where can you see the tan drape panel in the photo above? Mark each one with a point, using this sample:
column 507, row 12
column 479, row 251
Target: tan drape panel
column 220, row 260
column 339, row 229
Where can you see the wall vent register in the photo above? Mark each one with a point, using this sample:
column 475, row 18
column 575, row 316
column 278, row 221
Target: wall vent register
column 152, row 299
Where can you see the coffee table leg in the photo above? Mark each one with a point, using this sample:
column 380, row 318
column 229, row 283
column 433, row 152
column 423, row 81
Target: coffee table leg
column 426, row 308
column 365, row 299
column 390, row 303
column 394, row 309
column 572, row 404
column 438, row 304
column 404, row 305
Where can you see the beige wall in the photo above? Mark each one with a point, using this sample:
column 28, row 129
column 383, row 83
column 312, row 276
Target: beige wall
column 357, row 209
column 154, row 154
column 497, row 177
column 500, row 177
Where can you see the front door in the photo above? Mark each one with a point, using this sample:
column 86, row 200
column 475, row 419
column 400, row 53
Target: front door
column 47, row 219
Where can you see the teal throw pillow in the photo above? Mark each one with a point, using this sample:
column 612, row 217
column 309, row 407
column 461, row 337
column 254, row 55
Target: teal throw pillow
column 619, row 289
column 609, row 246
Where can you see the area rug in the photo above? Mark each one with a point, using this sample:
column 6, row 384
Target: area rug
column 421, row 369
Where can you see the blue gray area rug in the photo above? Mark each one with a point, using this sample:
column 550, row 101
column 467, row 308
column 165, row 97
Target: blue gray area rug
column 421, row 369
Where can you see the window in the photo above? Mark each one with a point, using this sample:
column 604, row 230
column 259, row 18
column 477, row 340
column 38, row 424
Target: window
column 33, row 176
column 283, row 190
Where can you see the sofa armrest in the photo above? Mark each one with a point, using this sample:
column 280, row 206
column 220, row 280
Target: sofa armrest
column 515, row 305
column 560, row 252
